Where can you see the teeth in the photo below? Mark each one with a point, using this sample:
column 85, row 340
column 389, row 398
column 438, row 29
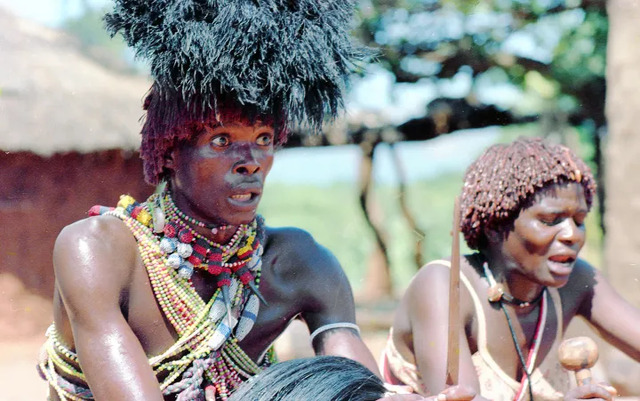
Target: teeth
column 243, row 197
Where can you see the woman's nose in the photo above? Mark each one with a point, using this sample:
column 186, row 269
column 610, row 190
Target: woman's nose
column 571, row 232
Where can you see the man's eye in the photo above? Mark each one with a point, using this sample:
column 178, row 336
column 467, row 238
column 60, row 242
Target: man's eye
column 220, row 140
column 264, row 140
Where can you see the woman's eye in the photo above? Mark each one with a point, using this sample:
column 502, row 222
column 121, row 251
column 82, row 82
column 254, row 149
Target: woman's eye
column 551, row 220
column 579, row 220
column 264, row 140
column 220, row 140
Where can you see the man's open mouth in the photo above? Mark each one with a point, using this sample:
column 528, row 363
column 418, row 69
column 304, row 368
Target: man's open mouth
column 245, row 197
column 242, row 197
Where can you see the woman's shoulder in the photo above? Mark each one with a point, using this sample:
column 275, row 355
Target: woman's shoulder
column 582, row 278
column 435, row 277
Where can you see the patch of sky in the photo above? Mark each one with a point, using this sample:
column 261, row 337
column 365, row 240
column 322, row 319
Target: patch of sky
column 394, row 103
column 537, row 41
column 424, row 28
column 50, row 12
column 493, row 87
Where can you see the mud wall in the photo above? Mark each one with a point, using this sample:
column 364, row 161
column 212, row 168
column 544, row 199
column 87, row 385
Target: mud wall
column 38, row 197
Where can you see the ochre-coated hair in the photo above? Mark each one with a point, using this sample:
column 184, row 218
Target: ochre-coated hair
column 169, row 120
column 505, row 178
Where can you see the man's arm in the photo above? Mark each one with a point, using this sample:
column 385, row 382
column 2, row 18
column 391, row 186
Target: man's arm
column 93, row 262
column 329, row 300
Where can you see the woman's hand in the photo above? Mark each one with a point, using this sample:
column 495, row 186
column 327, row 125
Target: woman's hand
column 453, row 393
column 594, row 392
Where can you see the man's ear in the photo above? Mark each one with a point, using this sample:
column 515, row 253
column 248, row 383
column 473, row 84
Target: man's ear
column 169, row 160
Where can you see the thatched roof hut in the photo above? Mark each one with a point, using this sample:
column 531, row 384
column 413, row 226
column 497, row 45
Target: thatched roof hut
column 54, row 99
column 69, row 130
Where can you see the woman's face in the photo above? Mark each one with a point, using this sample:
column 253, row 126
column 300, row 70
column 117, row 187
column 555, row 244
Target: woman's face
column 544, row 243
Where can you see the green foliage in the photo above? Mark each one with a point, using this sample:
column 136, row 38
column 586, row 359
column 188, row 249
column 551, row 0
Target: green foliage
column 559, row 46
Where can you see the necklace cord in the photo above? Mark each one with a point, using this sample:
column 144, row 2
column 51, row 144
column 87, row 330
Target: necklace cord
column 502, row 299
column 518, row 349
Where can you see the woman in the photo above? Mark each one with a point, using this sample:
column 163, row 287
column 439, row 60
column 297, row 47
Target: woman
column 523, row 208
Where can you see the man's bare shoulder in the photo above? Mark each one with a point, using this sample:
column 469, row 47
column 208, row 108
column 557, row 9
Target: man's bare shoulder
column 94, row 254
column 299, row 256
column 298, row 246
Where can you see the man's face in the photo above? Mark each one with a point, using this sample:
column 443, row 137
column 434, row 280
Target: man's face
column 547, row 236
column 218, row 175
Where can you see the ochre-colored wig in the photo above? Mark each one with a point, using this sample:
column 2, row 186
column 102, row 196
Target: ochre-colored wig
column 505, row 178
column 169, row 120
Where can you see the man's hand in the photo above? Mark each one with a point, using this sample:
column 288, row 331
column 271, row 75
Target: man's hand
column 594, row 392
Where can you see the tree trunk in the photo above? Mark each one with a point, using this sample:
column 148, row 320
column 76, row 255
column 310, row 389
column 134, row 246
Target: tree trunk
column 622, row 155
column 622, row 219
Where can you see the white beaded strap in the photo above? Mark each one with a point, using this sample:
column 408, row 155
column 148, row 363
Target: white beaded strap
column 332, row 326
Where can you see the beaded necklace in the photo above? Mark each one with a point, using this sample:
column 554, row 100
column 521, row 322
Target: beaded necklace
column 497, row 295
column 172, row 208
column 496, row 291
column 207, row 348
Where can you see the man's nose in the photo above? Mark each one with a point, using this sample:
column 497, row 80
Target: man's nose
column 248, row 162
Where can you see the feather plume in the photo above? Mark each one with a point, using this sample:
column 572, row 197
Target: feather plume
column 288, row 59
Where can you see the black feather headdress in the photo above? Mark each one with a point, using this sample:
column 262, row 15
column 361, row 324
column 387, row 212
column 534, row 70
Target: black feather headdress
column 289, row 59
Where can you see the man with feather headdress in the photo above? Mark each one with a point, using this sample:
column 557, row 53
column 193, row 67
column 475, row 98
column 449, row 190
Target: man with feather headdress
column 181, row 296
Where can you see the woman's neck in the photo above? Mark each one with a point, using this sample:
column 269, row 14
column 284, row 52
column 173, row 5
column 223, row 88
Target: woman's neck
column 514, row 283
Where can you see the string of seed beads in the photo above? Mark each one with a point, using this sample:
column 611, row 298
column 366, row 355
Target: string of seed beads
column 65, row 366
column 163, row 279
column 51, row 375
column 244, row 234
column 177, row 215
column 171, row 207
column 169, row 290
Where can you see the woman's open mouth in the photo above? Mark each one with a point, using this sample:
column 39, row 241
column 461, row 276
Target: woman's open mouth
column 561, row 265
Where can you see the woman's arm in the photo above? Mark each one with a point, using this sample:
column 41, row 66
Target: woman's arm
column 93, row 261
column 615, row 320
column 428, row 312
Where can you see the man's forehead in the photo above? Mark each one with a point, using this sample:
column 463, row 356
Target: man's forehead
column 242, row 123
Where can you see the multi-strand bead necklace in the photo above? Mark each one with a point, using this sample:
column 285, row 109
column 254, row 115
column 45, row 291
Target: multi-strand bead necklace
column 171, row 249
column 187, row 250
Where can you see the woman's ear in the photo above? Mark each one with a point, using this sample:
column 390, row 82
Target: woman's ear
column 493, row 236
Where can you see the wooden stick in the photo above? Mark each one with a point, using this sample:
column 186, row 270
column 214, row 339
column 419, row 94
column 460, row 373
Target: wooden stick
column 453, row 338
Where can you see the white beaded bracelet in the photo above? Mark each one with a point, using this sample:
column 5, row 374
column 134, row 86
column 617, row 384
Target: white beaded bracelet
column 331, row 326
